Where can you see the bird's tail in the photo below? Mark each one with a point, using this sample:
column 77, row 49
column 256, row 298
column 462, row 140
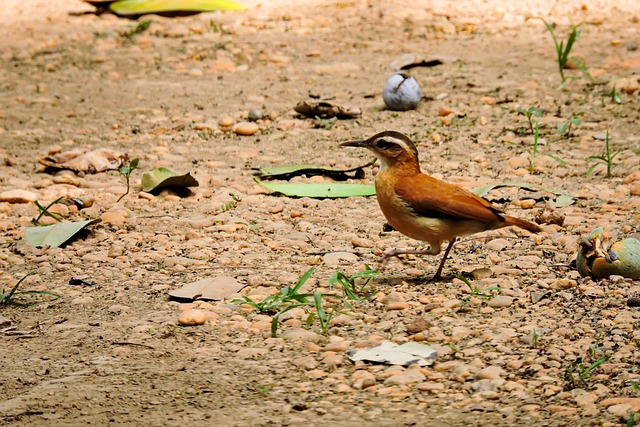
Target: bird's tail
column 529, row 226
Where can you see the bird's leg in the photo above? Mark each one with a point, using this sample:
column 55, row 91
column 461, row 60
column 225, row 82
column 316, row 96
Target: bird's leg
column 444, row 258
column 434, row 249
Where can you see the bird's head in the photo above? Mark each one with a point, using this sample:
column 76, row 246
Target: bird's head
column 392, row 148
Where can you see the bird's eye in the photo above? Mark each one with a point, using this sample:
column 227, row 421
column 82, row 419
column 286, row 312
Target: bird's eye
column 384, row 144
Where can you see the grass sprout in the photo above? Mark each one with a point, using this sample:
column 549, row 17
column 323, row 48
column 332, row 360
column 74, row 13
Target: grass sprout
column 606, row 158
column 563, row 50
column 44, row 211
column 7, row 298
column 534, row 151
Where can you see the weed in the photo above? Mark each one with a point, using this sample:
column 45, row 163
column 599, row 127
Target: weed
column 476, row 292
column 213, row 26
column 290, row 297
column 577, row 373
column 564, row 128
column 533, row 152
column 563, row 50
column 636, row 387
column 327, row 124
column 230, row 205
column 140, row 28
column 323, row 316
column 125, row 171
column 6, row 298
column 632, row 419
column 44, row 211
column 615, row 96
column 536, row 334
column 286, row 296
column 348, row 283
column 529, row 113
column 606, row 158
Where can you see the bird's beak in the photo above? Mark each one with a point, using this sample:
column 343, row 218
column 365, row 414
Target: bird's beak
column 354, row 144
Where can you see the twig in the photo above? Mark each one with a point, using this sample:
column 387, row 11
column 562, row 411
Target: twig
column 135, row 344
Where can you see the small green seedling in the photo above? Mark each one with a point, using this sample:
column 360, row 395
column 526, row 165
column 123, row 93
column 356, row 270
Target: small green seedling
column 615, row 96
column 606, row 158
column 348, row 283
column 484, row 295
column 529, row 114
column 577, row 373
column 125, row 171
column 215, row 28
column 286, row 296
column 563, row 50
column 140, row 28
column 323, row 316
column 6, row 298
column 533, row 152
column 44, row 211
column 536, row 334
column 326, row 124
column 230, row 205
column 564, row 128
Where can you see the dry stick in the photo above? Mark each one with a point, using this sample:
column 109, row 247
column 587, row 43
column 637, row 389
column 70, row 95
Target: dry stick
column 135, row 344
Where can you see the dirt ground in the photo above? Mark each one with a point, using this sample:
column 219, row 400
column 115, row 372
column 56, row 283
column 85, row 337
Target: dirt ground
column 110, row 351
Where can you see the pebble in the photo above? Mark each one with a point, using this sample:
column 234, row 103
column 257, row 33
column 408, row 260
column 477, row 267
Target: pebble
column 252, row 353
column 18, row 196
column 418, row 324
column 306, row 362
column 633, row 302
column 501, row 301
column 192, row 317
column 226, row 121
column 481, row 273
column 299, row 334
column 332, row 259
column 490, row 373
column 362, row 379
column 5, row 322
column 498, row 244
column 561, row 284
column 406, row 377
column 338, row 346
column 431, row 386
column 246, row 128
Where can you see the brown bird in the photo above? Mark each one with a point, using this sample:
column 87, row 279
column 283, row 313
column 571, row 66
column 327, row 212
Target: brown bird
column 422, row 207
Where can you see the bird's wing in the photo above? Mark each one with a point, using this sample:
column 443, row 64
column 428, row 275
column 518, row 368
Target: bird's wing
column 430, row 197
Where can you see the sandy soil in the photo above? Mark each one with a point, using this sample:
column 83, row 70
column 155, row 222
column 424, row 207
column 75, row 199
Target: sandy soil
column 111, row 351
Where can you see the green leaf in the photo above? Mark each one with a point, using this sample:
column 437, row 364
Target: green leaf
column 142, row 7
column 582, row 67
column 55, row 235
column 319, row 191
column 564, row 201
column 159, row 178
column 535, row 111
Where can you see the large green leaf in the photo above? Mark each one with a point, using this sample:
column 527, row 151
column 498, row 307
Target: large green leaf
column 55, row 235
column 141, row 7
column 319, row 191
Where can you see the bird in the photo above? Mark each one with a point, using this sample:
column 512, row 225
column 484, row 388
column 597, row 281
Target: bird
column 424, row 208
